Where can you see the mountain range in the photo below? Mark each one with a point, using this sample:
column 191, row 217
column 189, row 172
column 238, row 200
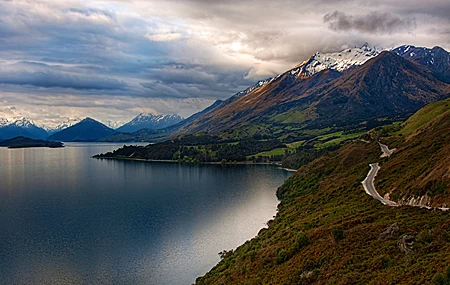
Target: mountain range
column 384, row 85
column 27, row 128
column 21, row 127
column 357, row 87
column 86, row 130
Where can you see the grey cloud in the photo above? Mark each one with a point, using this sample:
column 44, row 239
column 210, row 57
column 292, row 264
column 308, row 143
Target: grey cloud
column 49, row 79
column 374, row 22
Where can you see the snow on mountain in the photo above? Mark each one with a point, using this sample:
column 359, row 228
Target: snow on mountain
column 21, row 126
column 339, row 61
column 22, row 122
column 63, row 125
column 3, row 122
column 113, row 124
column 150, row 121
column 435, row 59
column 259, row 84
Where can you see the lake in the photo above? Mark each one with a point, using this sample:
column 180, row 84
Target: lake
column 66, row 218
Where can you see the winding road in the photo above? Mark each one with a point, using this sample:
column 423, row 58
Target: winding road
column 386, row 151
column 369, row 185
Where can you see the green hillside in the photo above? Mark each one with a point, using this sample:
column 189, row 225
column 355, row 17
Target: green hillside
column 425, row 115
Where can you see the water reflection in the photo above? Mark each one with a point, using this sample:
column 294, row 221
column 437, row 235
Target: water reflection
column 66, row 218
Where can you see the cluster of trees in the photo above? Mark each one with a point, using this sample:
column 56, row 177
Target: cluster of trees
column 180, row 149
column 305, row 154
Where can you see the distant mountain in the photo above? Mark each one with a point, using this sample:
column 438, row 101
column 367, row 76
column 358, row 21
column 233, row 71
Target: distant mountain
column 63, row 125
column 86, row 130
column 112, row 124
column 437, row 60
column 151, row 122
column 161, row 134
column 21, row 127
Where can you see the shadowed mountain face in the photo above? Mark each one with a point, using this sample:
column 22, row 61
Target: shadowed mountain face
column 437, row 60
column 86, row 130
column 384, row 86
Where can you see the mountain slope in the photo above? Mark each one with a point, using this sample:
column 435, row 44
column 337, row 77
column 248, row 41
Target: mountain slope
column 86, row 130
column 384, row 86
column 150, row 121
column 329, row 231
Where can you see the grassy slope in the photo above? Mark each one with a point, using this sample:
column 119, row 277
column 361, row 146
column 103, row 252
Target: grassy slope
column 327, row 229
column 425, row 115
column 421, row 165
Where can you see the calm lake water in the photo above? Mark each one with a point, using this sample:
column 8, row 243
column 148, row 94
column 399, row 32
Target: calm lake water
column 66, row 218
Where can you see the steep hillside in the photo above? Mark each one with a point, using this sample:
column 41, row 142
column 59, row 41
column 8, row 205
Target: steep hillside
column 419, row 170
column 86, row 130
column 385, row 85
column 329, row 231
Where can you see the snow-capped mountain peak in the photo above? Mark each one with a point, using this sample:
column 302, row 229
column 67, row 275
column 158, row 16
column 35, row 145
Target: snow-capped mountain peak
column 147, row 117
column 112, row 124
column 64, row 125
column 22, row 122
column 21, row 126
column 150, row 121
column 339, row 61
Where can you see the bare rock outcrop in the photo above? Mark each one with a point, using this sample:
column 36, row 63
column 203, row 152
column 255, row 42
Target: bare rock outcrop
column 389, row 231
column 405, row 244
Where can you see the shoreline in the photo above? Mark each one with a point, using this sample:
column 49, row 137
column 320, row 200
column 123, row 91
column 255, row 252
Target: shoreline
column 206, row 163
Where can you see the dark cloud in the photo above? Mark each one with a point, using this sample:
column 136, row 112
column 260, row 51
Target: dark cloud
column 374, row 22
column 49, row 79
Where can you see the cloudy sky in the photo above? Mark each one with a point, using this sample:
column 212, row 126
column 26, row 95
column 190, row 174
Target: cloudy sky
column 111, row 60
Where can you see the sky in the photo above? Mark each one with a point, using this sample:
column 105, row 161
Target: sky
column 111, row 60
